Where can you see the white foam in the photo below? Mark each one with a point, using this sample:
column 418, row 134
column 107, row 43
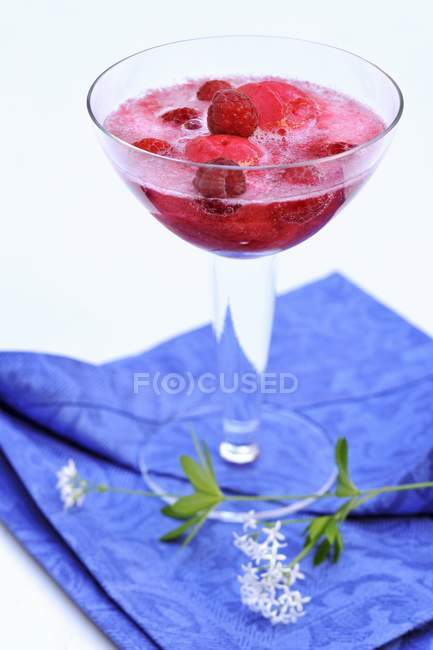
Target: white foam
column 340, row 118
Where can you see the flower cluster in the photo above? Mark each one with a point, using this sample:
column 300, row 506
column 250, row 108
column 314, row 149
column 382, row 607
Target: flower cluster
column 72, row 488
column 266, row 582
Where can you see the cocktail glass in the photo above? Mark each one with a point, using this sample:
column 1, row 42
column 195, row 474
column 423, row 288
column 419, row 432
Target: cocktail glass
column 260, row 445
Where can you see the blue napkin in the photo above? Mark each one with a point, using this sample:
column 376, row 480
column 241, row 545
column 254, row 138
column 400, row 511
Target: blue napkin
column 363, row 372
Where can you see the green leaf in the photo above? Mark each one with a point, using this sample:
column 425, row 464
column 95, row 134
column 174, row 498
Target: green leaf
column 345, row 490
column 193, row 503
column 333, row 536
column 196, row 475
column 322, row 552
column 316, row 528
column 195, row 522
column 206, row 466
column 342, row 455
column 209, row 463
column 345, row 487
column 344, row 510
column 200, row 522
column 338, row 547
column 198, row 450
column 331, row 531
column 169, row 512
column 180, row 530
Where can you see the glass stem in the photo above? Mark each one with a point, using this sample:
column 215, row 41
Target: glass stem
column 244, row 291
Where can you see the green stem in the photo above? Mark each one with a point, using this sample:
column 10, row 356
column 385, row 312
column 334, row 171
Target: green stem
column 399, row 488
column 305, row 551
column 287, row 522
column 102, row 487
column 370, row 492
column 362, row 497
column 276, row 497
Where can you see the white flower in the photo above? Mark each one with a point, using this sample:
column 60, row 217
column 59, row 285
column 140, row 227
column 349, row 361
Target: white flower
column 250, row 522
column 294, row 573
column 250, row 547
column 265, row 582
column 72, row 488
column 273, row 533
column 273, row 556
column 274, row 573
column 257, row 552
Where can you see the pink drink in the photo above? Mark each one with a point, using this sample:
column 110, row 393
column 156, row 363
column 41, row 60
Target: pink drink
column 250, row 211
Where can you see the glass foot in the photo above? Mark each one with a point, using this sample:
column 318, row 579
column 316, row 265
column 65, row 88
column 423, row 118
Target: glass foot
column 239, row 454
column 293, row 456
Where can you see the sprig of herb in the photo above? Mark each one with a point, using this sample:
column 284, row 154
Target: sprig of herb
column 322, row 535
column 196, row 507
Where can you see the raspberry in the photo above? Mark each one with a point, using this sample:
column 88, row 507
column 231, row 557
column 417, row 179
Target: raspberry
column 153, row 145
column 305, row 175
column 180, row 115
column 220, row 183
column 279, row 104
column 324, row 149
column 304, row 211
column 217, row 207
column 231, row 147
column 232, row 113
column 209, row 88
column 192, row 125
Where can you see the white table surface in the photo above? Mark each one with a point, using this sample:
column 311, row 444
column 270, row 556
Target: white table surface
column 85, row 272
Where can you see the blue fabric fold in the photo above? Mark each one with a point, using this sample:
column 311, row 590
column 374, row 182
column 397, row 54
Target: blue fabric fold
column 363, row 372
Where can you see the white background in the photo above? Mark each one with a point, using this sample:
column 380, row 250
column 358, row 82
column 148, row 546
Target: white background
column 86, row 272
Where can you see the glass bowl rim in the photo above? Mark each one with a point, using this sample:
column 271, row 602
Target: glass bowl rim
column 302, row 163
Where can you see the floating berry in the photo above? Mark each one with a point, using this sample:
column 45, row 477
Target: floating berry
column 324, row 149
column 209, row 88
column 220, row 183
column 304, row 175
column 217, row 207
column 153, row 145
column 232, row 113
column 280, row 104
column 180, row 115
column 315, row 209
column 231, row 147
column 192, row 124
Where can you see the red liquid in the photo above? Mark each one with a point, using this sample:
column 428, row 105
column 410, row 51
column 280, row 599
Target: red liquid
column 280, row 207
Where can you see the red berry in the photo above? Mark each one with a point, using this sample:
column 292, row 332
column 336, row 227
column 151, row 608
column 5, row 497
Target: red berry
column 153, row 145
column 324, row 149
column 305, row 175
column 193, row 124
column 232, row 113
column 217, row 207
column 180, row 115
column 280, row 104
column 230, row 147
column 303, row 211
column 220, row 183
column 209, row 88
